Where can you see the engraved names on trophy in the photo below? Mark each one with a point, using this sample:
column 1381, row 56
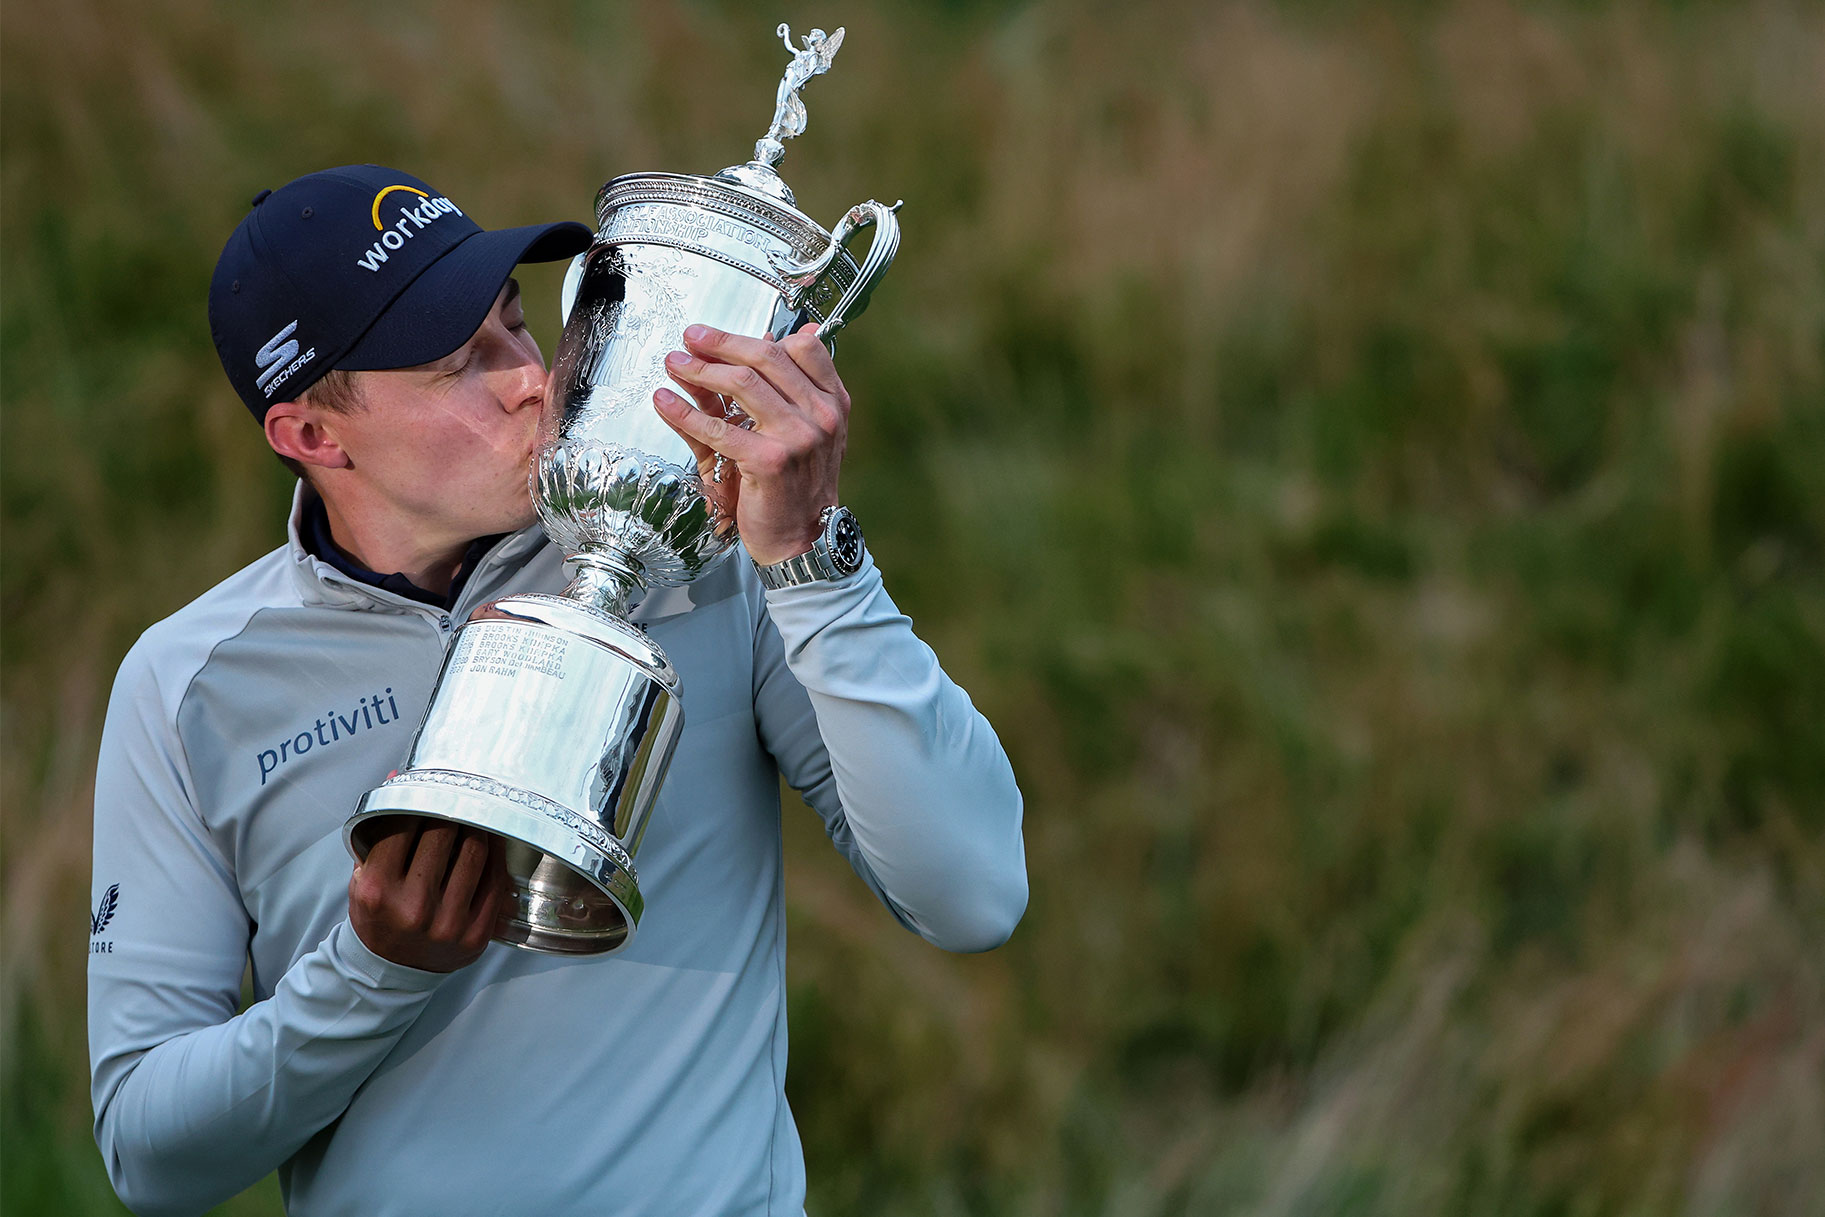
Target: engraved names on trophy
column 505, row 650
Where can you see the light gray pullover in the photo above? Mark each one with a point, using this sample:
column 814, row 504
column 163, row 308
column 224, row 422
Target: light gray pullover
column 240, row 734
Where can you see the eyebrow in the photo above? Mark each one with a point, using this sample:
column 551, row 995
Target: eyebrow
column 513, row 293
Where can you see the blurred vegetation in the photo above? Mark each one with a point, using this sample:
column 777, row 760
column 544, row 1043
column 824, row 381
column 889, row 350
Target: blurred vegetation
column 1368, row 461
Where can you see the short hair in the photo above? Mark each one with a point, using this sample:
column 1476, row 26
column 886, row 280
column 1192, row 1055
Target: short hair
column 338, row 392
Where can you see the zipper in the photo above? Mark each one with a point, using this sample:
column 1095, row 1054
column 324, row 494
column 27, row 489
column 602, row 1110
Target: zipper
column 471, row 597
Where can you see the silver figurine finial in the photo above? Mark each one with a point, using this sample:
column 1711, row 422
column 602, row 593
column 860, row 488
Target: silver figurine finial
column 813, row 59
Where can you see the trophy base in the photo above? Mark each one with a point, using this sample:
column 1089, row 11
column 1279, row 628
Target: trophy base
column 551, row 727
column 575, row 890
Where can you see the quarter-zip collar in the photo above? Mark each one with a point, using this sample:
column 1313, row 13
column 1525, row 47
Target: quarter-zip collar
column 518, row 560
column 331, row 579
column 314, row 532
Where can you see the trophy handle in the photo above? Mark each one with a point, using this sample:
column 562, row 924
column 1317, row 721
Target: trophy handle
column 800, row 276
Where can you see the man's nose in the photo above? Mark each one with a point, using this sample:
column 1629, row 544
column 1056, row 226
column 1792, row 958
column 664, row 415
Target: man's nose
column 523, row 383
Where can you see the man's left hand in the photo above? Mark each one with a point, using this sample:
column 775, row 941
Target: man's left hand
column 781, row 473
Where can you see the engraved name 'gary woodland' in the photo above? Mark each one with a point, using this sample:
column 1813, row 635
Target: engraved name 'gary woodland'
column 374, row 710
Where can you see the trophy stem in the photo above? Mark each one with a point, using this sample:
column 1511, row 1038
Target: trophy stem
column 603, row 580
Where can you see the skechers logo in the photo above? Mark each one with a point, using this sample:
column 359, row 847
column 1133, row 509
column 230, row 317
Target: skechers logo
column 273, row 356
column 377, row 710
column 410, row 221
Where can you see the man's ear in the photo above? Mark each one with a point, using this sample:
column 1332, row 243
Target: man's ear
column 305, row 434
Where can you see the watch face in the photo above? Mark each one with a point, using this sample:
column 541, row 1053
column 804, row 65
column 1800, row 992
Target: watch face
column 846, row 542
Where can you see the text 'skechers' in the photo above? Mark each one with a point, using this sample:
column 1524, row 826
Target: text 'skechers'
column 554, row 717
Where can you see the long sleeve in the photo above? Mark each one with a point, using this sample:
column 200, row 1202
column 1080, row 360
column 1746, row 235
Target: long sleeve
column 194, row 1102
column 911, row 782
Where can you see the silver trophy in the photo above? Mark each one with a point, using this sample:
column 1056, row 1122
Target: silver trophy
column 554, row 717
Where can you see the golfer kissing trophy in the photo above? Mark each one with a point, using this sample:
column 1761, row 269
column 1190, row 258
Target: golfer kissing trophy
column 554, row 717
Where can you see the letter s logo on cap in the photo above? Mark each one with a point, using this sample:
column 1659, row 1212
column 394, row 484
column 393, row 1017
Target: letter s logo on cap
column 273, row 355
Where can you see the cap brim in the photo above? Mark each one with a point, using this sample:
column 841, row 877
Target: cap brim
column 442, row 308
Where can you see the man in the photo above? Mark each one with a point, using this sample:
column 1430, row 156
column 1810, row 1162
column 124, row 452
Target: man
column 393, row 1061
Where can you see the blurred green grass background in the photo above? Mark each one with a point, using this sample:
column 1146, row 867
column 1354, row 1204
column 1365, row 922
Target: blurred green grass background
column 1368, row 460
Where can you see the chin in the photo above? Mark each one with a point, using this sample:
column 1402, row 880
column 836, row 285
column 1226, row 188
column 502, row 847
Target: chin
column 524, row 515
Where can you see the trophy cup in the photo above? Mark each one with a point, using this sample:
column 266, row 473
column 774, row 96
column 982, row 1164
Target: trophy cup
column 554, row 717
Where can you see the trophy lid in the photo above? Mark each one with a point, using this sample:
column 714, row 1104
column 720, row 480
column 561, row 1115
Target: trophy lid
column 813, row 58
column 753, row 191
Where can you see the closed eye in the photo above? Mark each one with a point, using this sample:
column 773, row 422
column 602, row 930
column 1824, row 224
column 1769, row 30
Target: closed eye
column 513, row 312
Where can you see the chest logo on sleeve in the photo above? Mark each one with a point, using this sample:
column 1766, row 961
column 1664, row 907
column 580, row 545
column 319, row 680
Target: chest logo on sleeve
column 99, row 919
column 375, row 710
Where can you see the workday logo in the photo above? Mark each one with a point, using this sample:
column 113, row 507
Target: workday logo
column 414, row 212
column 280, row 358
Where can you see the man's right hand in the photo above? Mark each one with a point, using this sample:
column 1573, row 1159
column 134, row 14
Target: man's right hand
column 428, row 893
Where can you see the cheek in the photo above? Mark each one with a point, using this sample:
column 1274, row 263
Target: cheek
column 470, row 443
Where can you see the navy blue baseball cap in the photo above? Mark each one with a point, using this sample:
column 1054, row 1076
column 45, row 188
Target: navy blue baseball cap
column 359, row 268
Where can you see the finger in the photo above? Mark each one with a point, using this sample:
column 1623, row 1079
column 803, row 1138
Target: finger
column 771, row 359
column 712, row 403
column 746, row 384
column 717, row 435
column 469, row 863
column 429, row 863
column 723, row 493
column 493, row 898
column 715, row 405
column 391, row 850
column 827, row 405
column 486, row 911
column 815, row 360
column 664, row 400
column 496, row 883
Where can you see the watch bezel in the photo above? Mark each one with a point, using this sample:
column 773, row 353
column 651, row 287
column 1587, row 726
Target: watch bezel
column 838, row 521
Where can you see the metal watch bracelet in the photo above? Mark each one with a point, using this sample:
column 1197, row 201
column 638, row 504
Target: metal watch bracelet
column 808, row 567
column 837, row 553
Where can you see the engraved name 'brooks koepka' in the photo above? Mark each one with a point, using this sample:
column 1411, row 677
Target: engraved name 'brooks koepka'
column 373, row 710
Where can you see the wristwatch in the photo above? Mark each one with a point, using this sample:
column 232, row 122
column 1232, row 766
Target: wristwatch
column 836, row 554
